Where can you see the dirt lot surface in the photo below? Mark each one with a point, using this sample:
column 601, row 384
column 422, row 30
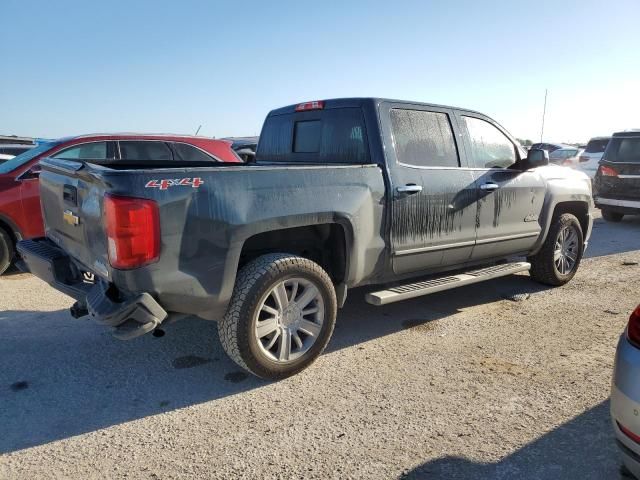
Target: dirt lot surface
column 464, row 384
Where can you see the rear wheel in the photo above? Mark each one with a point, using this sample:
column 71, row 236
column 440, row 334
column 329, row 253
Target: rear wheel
column 281, row 316
column 6, row 251
column 610, row 216
column 559, row 258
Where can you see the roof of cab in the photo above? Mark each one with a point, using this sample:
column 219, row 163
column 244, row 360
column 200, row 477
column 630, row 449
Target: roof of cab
column 360, row 101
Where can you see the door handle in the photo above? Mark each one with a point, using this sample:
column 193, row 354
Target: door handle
column 489, row 186
column 409, row 189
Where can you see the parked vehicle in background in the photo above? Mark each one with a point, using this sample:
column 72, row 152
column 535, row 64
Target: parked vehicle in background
column 567, row 156
column 588, row 160
column 4, row 158
column 14, row 149
column 245, row 147
column 616, row 187
column 20, row 213
column 343, row 193
column 549, row 147
column 625, row 394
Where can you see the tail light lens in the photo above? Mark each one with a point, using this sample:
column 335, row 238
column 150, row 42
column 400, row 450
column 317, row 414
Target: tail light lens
column 608, row 171
column 629, row 433
column 583, row 159
column 133, row 231
column 633, row 329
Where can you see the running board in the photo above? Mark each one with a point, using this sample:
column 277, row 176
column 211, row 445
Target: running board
column 418, row 289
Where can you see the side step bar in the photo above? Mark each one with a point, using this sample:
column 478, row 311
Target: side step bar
column 418, row 289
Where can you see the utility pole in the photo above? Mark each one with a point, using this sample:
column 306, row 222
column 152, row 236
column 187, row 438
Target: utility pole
column 544, row 111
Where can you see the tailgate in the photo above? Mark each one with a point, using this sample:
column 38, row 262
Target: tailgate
column 72, row 194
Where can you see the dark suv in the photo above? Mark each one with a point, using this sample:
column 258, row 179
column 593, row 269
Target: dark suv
column 617, row 181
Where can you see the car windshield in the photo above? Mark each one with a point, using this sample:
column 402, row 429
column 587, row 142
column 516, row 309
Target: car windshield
column 23, row 158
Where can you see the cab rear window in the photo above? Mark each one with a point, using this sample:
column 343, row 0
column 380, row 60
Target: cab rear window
column 320, row 136
column 623, row 150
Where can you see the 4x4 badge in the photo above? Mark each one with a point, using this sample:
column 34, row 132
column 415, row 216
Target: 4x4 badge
column 69, row 217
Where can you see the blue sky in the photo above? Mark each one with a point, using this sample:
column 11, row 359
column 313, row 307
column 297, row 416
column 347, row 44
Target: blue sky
column 157, row 66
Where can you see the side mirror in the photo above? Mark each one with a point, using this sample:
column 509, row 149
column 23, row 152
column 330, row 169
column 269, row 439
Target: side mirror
column 536, row 158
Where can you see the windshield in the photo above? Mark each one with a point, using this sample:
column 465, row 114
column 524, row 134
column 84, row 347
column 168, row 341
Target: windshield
column 25, row 157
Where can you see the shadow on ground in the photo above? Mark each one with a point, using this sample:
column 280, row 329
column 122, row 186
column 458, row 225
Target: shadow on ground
column 562, row 453
column 61, row 377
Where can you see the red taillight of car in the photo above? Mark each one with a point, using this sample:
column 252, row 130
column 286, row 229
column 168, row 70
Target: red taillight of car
column 629, row 433
column 583, row 159
column 608, row 171
column 133, row 231
column 633, row 328
column 315, row 105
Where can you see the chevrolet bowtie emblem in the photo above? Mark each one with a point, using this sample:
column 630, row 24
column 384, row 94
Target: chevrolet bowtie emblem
column 70, row 218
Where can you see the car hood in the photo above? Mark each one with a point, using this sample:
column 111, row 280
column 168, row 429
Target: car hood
column 557, row 172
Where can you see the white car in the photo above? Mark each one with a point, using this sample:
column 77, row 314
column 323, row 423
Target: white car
column 4, row 157
column 588, row 160
column 625, row 394
column 565, row 156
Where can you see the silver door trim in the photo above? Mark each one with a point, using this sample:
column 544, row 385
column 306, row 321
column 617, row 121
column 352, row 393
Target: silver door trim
column 628, row 176
column 434, row 248
column 507, row 237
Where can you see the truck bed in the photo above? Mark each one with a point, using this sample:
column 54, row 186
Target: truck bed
column 206, row 216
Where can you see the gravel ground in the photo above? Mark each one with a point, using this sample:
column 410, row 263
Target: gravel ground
column 472, row 383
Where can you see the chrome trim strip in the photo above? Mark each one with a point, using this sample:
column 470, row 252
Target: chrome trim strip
column 449, row 246
column 617, row 203
column 435, row 247
column 507, row 237
column 628, row 176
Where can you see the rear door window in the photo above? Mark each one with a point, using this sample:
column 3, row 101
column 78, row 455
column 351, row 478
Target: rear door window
column 423, row 139
column 596, row 146
column 145, row 150
column 328, row 136
column 88, row 151
column 490, row 148
column 189, row 153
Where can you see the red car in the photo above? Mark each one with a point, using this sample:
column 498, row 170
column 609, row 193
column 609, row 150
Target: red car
column 20, row 214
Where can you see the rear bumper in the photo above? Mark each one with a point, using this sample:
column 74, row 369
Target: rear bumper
column 130, row 315
column 622, row 206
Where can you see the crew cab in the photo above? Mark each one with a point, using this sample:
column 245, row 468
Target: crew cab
column 20, row 216
column 414, row 197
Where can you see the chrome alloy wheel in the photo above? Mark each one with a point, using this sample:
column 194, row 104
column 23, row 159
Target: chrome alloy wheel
column 289, row 319
column 565, row 254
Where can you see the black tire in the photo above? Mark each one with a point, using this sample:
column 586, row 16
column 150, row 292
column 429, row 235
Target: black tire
column 253, row 284
column 6, row 251
column 543, row 266
column 610, row 216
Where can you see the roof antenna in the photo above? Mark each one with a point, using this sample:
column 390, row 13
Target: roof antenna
column 544, row 111
column 198, row 130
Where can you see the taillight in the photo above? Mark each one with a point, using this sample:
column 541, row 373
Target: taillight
column 583, row 159
column 633, row 328
column 315, row 105
column 629, row 433
column 133, row 231
column 608, row 171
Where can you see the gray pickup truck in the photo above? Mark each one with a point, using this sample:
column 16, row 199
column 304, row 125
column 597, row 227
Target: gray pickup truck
column 413, row 197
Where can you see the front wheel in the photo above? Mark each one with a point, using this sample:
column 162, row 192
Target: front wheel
column 557, row 261
column 281, row 316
